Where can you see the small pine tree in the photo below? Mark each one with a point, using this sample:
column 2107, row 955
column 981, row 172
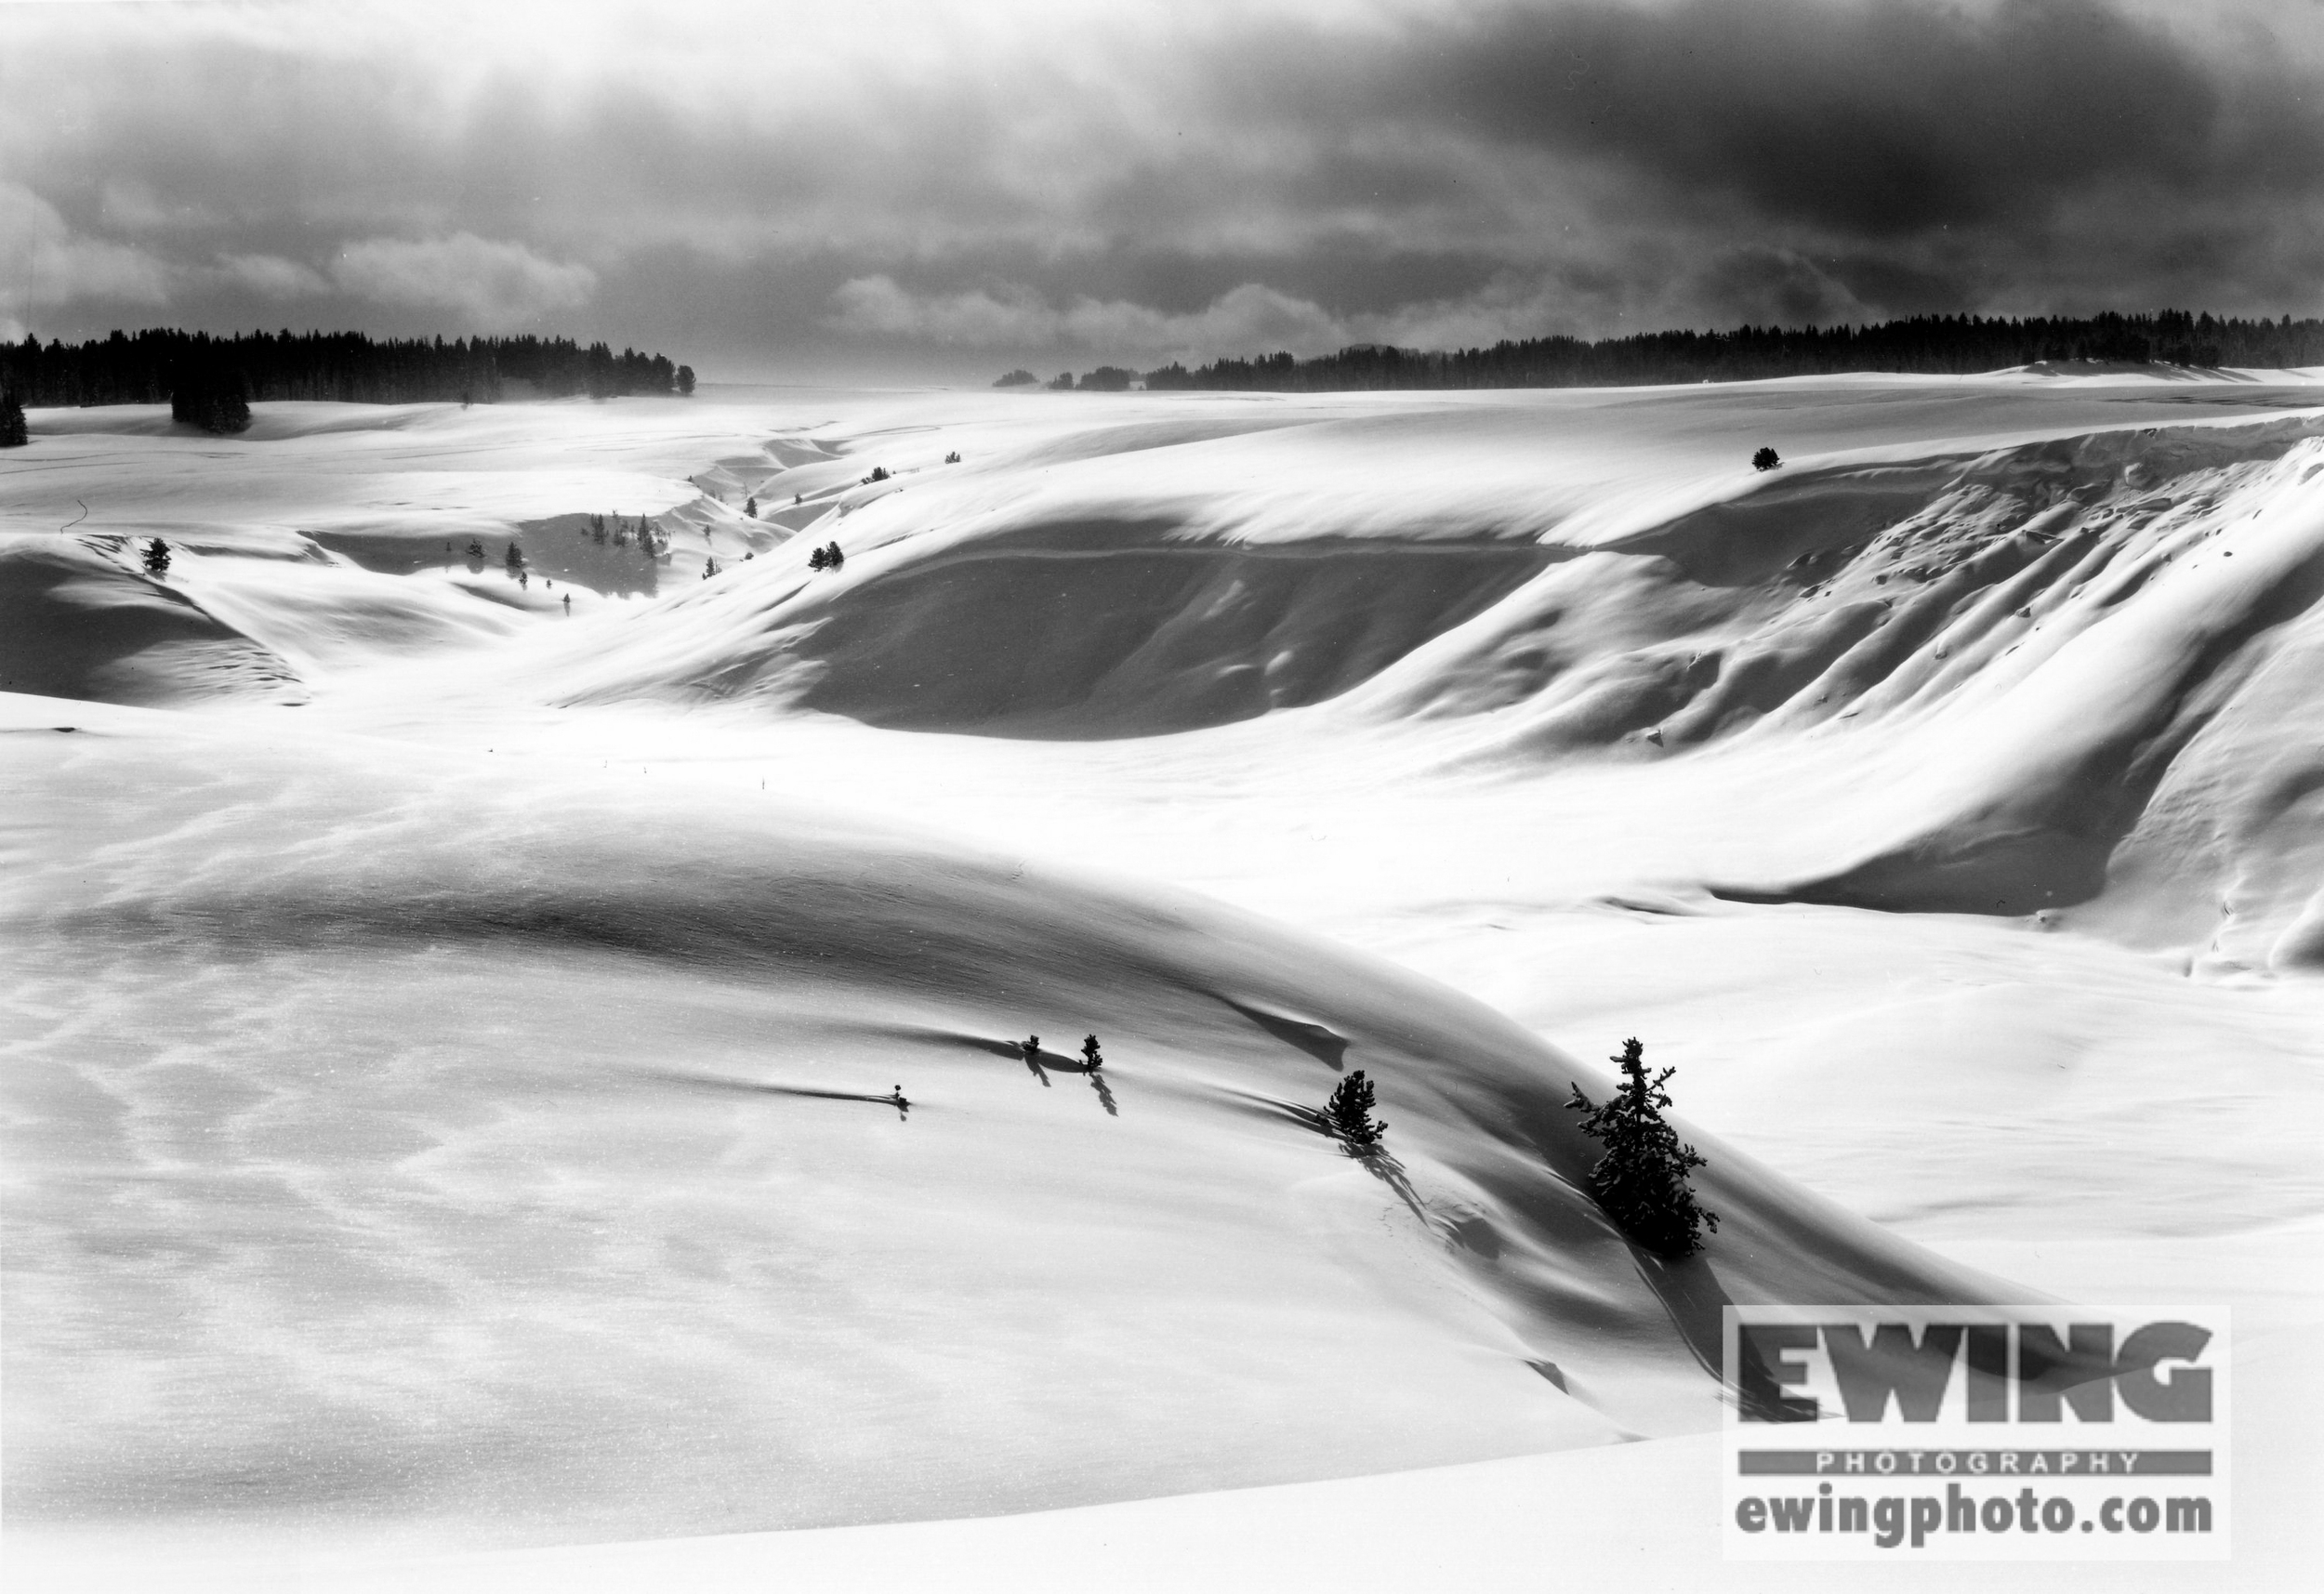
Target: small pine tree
column 621, row 533
column 475, row 549
column 818, row 559
column 1767, row 459
column 157, row 558
column 1350, row 1111
column 14, row 433
column 596, row 527
column 952, row 458
column 750, row 507
column 709, row 566
column 1641, row 1181
column 1092, row 1059
column 515, row 560
column 833, row 556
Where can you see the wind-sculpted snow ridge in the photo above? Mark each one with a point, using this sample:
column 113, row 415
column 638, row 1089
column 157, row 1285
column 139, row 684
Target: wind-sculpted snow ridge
column 82, row 620
column 2030, row 657
column 2060, row 664
column 493, row 1155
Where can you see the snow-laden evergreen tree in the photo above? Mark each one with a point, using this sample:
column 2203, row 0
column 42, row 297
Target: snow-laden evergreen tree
column 1092, row 1058
column 14, row 433
column 157, row 558
column 1641, row 1181
column 750, row 507
column 1350, row 1111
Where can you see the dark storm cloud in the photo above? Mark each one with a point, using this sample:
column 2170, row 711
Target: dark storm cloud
column 1010, row 181
column 1878, row 121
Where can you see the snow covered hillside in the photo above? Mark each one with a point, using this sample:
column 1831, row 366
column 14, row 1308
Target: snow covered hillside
column 460, row 998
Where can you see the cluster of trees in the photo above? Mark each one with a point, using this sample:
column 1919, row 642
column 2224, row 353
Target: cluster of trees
column 1105, row 379
column 652, row 540
column 213, row 397
column 1954, row 345
column 159, row 362
column 1642, row 1182
column 827, row 556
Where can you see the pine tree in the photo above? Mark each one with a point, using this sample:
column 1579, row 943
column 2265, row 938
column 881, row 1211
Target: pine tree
column 157, row 558
column 1641, row 1181
column 1350, row 1111
column 818, row 559
column 13, row 431
column 475, row 549
column 686, row 381
column 750, row 507
column 515, row 559
column 1767, row 459
column 709, row 566
column 621, row 533
column 833, row 556
column 596, row 527
column 1091, row 1057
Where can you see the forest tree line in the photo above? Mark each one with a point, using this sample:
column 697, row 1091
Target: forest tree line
column 150, row 367
column 1945, row 345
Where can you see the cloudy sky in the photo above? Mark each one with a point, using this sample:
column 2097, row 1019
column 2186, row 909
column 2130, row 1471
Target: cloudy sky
column 922, row 190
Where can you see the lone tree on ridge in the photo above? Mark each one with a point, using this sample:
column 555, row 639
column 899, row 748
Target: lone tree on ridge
column 1641, row 1181
column 1767, row 459
column 157, row 558
column 1350, row 1111
column 1092, row 1059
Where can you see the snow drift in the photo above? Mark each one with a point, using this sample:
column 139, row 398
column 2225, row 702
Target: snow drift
column 498, row 1153
column 466, row 1103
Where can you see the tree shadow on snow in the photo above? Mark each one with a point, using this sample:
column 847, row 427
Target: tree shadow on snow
column 806, row 1092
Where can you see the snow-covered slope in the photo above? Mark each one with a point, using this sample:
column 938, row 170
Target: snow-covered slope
column 456, row 1012
column 484, row 1144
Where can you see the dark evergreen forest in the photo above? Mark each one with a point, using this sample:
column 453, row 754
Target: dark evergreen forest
column 1956, row 345
column 150, row 367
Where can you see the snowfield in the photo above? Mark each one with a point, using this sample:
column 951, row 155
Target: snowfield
column 498, row 1065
